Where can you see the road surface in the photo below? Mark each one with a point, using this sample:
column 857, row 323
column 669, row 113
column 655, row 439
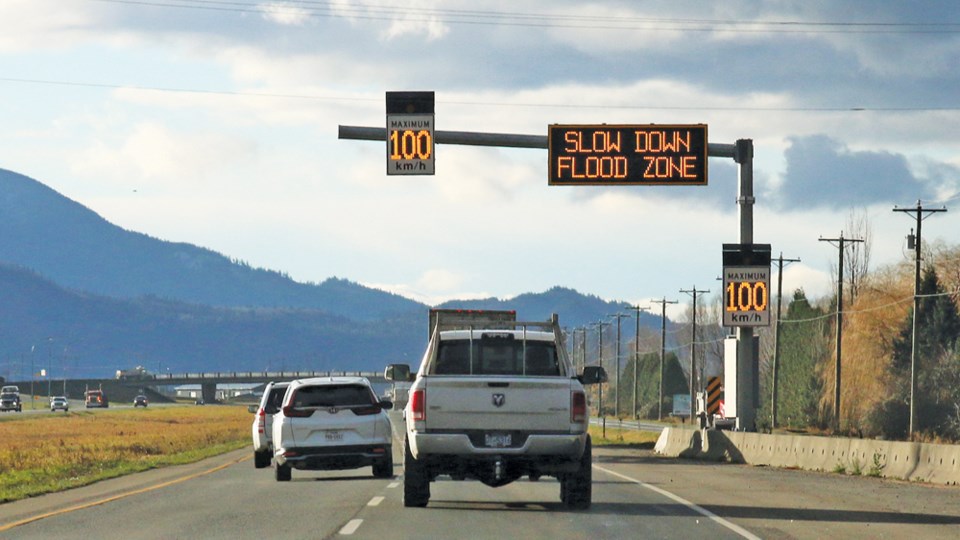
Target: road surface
column 636, row 494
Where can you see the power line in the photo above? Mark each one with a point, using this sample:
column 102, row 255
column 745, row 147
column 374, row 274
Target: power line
column 387, row 12
column 571, row 106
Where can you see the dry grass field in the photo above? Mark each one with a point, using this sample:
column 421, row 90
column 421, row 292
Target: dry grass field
column 42, row 454
column 622, row 437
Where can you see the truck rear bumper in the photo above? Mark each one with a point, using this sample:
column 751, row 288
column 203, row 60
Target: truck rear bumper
column 472, row 444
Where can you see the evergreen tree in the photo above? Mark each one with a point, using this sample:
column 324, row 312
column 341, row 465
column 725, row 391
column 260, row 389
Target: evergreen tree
column 648, row 383
column 938, row 325
column 937, row 366
column 803, row 343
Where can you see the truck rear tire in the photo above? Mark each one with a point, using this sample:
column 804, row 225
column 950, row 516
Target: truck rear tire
column 576, row 489
column 261, row 460
column 416, row 483
column 283, row 473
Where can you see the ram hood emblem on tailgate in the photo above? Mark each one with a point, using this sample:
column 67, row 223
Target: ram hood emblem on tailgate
column 498, row 400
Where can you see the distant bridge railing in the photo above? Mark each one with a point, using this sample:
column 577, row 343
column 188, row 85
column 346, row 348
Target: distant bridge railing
column 244, row 377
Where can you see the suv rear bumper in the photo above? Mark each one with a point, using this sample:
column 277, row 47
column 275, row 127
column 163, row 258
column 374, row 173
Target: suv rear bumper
column 319, row 458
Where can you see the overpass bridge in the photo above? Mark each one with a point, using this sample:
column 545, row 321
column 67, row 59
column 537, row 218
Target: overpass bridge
column 208, row 381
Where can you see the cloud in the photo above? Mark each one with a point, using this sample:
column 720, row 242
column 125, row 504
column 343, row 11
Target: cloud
column 822, row 171
column 285, row 13
column 169, row 160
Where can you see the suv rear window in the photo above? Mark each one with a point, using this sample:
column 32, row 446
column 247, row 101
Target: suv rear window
column 496, row 355
column 332, row 396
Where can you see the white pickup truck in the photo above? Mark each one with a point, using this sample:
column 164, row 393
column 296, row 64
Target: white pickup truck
column 496, row 402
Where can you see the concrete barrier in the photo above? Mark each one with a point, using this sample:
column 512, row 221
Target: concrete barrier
column 935, row 463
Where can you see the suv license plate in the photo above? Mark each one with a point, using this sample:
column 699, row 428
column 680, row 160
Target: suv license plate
column 333, row 435
column 497, row 440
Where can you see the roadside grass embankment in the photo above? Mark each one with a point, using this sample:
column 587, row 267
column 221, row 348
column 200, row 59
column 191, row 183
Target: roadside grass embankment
column 617, row 436
column 44, row 454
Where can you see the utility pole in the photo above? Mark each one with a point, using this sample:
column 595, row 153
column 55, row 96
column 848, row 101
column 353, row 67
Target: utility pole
column 839, row 243
column 616, row 381
column 663, row 347
column 919, row 210
column 693, row 347
column 776, row 337
column 636, row 360
column 583, row 347
column 603, row 417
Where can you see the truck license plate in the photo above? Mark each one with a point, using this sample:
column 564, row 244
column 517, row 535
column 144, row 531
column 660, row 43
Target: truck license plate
column 333, row 435
column 497, row 440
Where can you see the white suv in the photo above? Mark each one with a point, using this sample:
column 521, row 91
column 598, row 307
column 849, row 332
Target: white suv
column 263, row 422
column 330, row 423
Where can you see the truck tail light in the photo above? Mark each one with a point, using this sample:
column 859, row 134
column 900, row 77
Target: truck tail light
column 418, row 404
column 261, row 420
column 578, row 407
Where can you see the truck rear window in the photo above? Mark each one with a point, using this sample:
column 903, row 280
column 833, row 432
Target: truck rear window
column 496, row 355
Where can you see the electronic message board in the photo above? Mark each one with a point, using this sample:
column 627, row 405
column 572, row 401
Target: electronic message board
column 410, row 141
column 746, row 296
column 746, row 285
column 615, row 155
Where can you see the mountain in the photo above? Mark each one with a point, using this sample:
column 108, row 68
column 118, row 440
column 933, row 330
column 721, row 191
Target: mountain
column 81, row 296
column 76, row 248
column 43, row 326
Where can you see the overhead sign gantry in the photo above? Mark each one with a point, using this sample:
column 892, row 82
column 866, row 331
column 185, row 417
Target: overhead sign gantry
column 593, row 155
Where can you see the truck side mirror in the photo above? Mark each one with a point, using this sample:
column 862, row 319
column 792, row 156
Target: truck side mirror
column 397, row 373
column 593, row 375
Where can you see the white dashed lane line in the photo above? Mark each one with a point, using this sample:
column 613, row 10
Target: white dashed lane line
column 351, row 527
column 375, row 501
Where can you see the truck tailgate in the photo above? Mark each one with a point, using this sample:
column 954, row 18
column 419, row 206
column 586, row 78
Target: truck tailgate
column 492, row 403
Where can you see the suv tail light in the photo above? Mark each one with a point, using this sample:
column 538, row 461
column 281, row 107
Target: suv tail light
column 578, row 407
column 292, row 412
column 418, row 404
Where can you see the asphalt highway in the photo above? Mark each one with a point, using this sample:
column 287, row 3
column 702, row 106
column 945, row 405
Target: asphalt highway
column 636, row 495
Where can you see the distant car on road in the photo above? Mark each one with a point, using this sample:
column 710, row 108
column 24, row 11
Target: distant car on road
column 10, row 399
column 95, row 398
column 59, row 403
column 262, row 429
column 332, row 423
column 140, row 401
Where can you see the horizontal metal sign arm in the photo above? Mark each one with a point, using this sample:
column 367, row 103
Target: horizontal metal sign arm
column 506, row 140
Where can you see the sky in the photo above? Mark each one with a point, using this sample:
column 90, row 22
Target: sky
column 215, row 122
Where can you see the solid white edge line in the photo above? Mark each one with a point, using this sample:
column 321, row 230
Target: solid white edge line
column 700, row 510
column 351, row 527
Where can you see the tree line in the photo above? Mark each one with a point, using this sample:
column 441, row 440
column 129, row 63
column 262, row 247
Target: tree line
column 877, row 342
